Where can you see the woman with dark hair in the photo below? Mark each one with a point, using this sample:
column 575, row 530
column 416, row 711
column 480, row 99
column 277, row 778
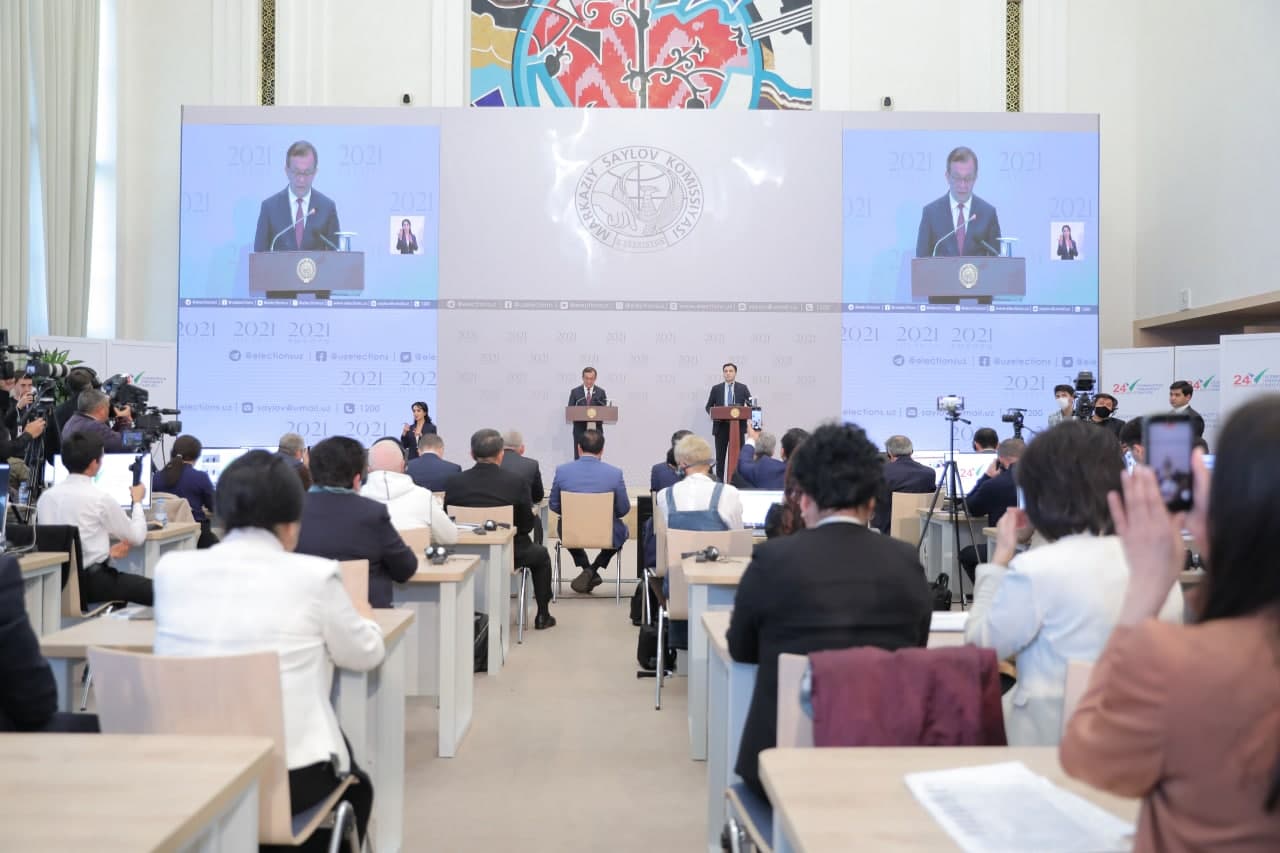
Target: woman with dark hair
column 412, row 433
column 1066, row 245
column 181, row 478
column 1059, row 601
column 249, row 594
column 406, row 243
column 1188, row 716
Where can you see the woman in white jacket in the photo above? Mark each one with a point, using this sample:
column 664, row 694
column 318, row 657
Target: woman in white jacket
column 251, row 594
column 1060, row 601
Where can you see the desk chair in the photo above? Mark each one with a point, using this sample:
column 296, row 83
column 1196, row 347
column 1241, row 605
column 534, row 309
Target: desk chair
column 417, row 538
column 904, row 521
column 175, row 507
column 586, row 521
column 355, row 580
column 673, row 602
column 1078, row 673
column 503, row 515
column 234, row 695
column 76, row 609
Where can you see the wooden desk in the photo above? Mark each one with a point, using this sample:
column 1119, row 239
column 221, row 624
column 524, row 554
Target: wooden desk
column 369, row 705
column 855, row 799
column 130, row 793
column 940, row 543
column 712, row 586
column 440, row 649
column 497, row 551
column 42, row 588
column 729, row 688
column 177, row 536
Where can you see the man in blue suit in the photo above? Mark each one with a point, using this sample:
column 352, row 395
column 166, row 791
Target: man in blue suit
column 589, row 474
column 757, row 469
column 298, row 218
column 901, row 474
column 959, row 223
column 431, row 470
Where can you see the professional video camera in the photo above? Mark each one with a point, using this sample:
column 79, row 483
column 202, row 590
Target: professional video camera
column 1016, row 417
column 1084, row 395
column 148, row 421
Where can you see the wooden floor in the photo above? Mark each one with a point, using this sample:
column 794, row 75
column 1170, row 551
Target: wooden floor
column 565, row 752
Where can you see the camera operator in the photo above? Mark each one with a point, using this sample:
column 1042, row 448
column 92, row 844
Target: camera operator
column 93, row 408
column 1104, row 407
column 15, row 447
column 1064, row 400
column 21, row 396
column 79, row 380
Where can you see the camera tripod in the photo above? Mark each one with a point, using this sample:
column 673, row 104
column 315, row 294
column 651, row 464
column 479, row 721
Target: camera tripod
column 950, row 482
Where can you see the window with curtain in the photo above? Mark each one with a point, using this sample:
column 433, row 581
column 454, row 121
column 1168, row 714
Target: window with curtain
column 102, row 261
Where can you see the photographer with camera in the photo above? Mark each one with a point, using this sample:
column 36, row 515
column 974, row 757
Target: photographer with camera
column 93, row 410
column 1104, row 407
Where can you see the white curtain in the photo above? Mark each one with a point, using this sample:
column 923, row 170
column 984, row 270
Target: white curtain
column 64, row 51
column 15, row 169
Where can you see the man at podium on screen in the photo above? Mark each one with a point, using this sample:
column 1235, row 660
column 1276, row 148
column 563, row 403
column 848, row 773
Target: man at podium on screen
column 298, row 218
column 959, row 223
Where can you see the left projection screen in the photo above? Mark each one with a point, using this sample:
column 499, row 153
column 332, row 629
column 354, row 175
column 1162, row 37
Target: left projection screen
column 325, row 326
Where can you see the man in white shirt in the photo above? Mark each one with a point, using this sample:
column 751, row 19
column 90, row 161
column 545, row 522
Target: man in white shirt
column 409, row 504
column 694, row 492
column 78, row 502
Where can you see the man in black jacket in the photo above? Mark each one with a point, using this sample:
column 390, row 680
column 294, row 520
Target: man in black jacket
column 430, row 469
column 901, row 474
column 488, row 484
column 339, row 524
column 993, row 494
column 514, row 460
column 28, row 694
column 834, row 584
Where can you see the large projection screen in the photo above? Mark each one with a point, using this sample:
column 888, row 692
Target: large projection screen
column 653, row 246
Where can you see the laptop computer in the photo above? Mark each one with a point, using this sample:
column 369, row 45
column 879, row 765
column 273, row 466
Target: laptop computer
column 115, row 477
column 214, row 460
column 756, row 504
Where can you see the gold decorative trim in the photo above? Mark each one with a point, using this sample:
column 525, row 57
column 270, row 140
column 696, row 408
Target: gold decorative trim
column 1013, row 56
column 267, row 90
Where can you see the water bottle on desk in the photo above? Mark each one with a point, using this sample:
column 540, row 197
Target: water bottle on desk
column 161, row 516
column 24, row 493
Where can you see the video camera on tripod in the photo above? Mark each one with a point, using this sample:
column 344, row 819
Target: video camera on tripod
column 1016, row 417
column 1084, row 386
column 148, row 421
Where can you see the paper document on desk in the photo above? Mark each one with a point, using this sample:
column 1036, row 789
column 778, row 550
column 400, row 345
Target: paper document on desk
column 1005, row 807
column 948, row 620
column 467, row 525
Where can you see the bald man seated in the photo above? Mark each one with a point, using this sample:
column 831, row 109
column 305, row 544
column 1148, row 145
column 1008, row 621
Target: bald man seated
column 409, row 504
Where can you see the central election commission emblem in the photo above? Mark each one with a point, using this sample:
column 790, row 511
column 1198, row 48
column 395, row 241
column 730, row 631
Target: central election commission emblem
column 306, row 270
column 639, row 199
column 968, row 276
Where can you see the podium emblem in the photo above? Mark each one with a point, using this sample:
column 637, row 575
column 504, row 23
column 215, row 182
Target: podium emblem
column 306, row 270
column 735, row 412
column 591, row 413
column 639, row 199
column 968, row 276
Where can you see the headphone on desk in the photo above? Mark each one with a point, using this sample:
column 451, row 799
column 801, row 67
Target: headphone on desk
column 709, row 554
column 437, row 554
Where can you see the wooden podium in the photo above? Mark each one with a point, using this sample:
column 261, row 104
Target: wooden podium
column 285, row 275
column 591, row 415
column 967, row 279
column 731, row 414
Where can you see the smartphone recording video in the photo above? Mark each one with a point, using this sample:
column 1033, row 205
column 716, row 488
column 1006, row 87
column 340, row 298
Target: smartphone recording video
column 1168, row 441
column 757, row 419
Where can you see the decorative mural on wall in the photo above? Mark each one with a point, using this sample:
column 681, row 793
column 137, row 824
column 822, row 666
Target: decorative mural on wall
column 647, row 54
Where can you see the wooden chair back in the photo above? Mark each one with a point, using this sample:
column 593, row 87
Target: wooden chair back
column 234, row 695
column 355, row 580
column 176, row 508
column 795, row 727
column 481, row 514
column 1078, row 672
column 586, row 520
column 730, row 543
column 904, row 519
column 417, row 538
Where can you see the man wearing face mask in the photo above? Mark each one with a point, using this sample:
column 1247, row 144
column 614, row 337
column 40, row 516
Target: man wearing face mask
column 1104, row 406
column 1064, row 398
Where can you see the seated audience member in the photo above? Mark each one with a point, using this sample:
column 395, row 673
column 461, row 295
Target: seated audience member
column 1057, row 602
column 28, row 694
column 901, row 474
column 413, row 433
column 250, row 594
column 589, row 473
column 293, row 448
column 430, row 470
column 181, row 478
column 93, row 409
column 514, row 460
column 667, row 472
column 696, row 491
column 1104, row 407
column 487, row 484
column 993, row 494
column 1131, row 439
column 409, row 504
column 78, row 502
column 985, row 440
column 339, row 524
column 757, row 469
column 1188, row 716
column 783, row 518
column 832, row 585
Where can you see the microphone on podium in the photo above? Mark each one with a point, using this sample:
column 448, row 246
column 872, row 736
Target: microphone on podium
column 972, row 216
column 290, row 227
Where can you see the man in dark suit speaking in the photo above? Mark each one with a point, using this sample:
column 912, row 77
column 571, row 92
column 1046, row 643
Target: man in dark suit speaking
column 730, row 392
column 298, row 218
column 586, row 394
column 959, row 223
